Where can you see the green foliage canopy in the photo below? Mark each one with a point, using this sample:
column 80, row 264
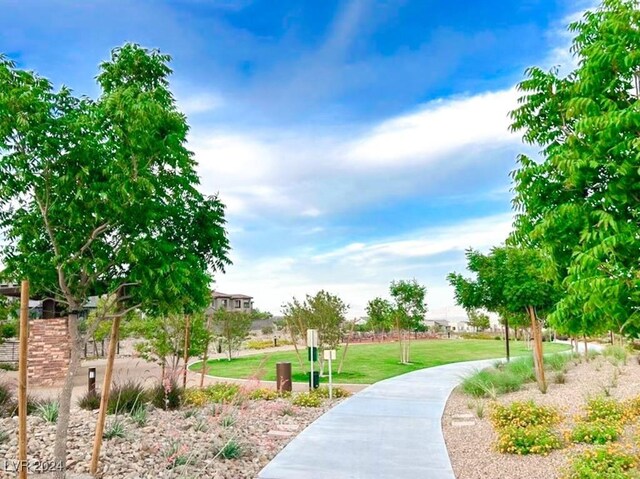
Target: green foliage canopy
column 97, row 193
column 579, row 202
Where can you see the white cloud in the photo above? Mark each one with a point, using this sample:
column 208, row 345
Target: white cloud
column 479, row 233
column 194, row 104
column 437, row 129
column 311, row 212
column 294, row 173
column 360, row 271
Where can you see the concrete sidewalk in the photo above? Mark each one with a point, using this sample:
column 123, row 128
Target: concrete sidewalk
column 392, row 429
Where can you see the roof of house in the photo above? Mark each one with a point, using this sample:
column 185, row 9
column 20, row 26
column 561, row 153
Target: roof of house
column 218, row 294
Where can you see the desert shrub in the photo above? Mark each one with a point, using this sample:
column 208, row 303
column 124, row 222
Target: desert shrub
column 167, row 395
column 89, row 401
column 618, row 353
column 307, row 400
column 48, row 410
column 232, row 449
column 560, row 377
column 195, row 397
column 528, row 440
column 224, row 393
column 557, row 361
column 140, row 415
column 7, row 403
column 608, row 462
column 176, row 455
column 264, row 394
column 592, row 354
column 228, row 420
column 338, row 392
column 600, row 408
column 267, row 330
column 33, row 406
column 126, row 397
column 201, row 425
column 596, row 432
column 116, row 428
column 523, row 414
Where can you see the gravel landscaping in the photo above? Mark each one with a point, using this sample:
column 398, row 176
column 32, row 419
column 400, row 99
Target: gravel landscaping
column 471, row 439
column 185, row 443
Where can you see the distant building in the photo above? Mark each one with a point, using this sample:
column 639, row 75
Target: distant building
column 231, row 302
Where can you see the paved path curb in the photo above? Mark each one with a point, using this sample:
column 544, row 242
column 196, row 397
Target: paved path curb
column 391, row 429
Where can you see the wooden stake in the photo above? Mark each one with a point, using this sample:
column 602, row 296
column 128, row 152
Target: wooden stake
column 22, row 386
column 104, row 400
column 186, row 349
column 537, row 350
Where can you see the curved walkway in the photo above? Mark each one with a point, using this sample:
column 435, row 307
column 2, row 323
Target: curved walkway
column 391, row 429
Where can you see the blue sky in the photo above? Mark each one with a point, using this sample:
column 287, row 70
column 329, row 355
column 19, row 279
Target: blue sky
column 354, row 142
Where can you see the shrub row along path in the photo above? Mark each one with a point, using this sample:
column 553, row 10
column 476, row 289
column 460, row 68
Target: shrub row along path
column 391, row 429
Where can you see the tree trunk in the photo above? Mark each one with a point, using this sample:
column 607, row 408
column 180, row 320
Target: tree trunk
column 537, row 350
column 586, row 350
column 64, row 401
column 187, row 333
column 205, row 358
column 506, row 338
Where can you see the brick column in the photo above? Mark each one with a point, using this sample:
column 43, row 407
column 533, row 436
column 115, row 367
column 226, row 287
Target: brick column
column 48, row 354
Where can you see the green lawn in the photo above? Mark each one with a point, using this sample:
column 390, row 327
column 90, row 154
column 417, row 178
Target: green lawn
column 367, row 364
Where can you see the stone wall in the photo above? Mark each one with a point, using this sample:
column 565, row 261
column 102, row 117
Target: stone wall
column 48, row 353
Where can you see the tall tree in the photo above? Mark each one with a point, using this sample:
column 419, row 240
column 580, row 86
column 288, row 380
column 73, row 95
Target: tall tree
column 231, row 327
column 380, row 315
column 162, row 339
column 579, row 202
column 323, row 311
column 409, row 308
column 508, row 279
column 95, row 194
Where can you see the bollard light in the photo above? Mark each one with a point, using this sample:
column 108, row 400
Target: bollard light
column 92, row 380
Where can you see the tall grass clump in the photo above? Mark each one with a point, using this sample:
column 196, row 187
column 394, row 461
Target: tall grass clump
column 490, row 382
column 617, row 354
column 557, row 361
column 521, row 367
column 126, row 397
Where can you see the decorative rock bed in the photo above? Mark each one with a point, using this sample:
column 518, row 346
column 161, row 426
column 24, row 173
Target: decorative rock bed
column 184, row 443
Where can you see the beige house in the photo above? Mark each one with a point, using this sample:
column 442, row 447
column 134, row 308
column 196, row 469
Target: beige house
column 232, row 302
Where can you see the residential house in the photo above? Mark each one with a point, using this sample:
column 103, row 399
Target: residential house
column 232, row 302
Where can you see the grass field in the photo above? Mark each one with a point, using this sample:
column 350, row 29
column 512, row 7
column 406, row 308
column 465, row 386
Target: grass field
column 369, row 363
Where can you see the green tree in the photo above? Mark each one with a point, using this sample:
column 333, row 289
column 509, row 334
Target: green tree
column 579, row 202
column 508, row 279
column 380, row 315
column 478, row 320
column 408, row 310
column 231, row 327
column 96, row 194
column 323, row 311
column 162, row 339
